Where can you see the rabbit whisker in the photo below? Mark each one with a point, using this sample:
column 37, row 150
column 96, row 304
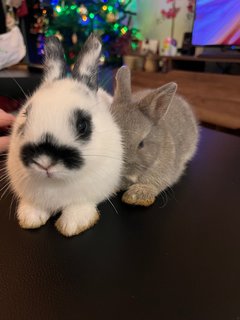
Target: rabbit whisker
column 7, row 187
column 115, row 209
column 14, row 198
column 20, row 87
column 3, row 178
column 101, row 155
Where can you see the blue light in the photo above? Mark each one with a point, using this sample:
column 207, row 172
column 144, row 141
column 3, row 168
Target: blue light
column 54, row 3
column 84, row 23
column 106, row 38
column 106, row 54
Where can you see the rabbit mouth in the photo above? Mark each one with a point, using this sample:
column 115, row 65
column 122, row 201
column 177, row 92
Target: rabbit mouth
column 48, row 152
column 45, row 168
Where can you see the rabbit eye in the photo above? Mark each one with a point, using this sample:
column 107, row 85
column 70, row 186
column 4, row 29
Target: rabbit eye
column 82, row 127
column 82, row 124
column 141, row 145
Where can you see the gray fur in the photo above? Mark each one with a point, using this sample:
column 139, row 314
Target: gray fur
column 166, row 124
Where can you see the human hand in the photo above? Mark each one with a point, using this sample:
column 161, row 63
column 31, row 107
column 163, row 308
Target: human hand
column 6, row 119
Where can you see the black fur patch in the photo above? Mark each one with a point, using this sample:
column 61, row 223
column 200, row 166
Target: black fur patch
column 82, row 125
column 48, row 145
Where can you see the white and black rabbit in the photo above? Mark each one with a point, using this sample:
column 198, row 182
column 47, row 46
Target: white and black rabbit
column 160, row 135
column 65, row 150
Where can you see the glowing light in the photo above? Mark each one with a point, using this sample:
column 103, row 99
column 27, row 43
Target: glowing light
column 44, row 11
column 84, row 20
column 115, row 26
column 102, row 59
column 124, row 30
column 134, row 45
column 58, row 9
column 110, row 8
column 104, row 8
column 92, row 15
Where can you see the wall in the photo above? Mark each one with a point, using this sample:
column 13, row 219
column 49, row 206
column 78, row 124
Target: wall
column 152, row 24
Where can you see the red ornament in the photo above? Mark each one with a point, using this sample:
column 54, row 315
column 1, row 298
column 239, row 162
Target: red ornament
column 71, row 55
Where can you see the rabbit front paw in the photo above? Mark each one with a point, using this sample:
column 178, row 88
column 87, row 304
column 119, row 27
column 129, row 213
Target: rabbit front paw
column 30, row 217
column 140, row 195
column 76, row 219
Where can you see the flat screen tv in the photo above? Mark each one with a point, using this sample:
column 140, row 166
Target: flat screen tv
column 216, row 23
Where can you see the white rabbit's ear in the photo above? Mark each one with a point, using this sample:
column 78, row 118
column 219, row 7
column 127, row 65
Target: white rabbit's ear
column 156, row 103
column 54, row 62
column 86, row 66
column 123, row 85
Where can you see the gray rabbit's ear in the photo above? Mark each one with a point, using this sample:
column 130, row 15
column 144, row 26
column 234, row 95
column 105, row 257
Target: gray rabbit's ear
column 54, row 62
column 122, row 92
column 86, row 66
column 156, row 103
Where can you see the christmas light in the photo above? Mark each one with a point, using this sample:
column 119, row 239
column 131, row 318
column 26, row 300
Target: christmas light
column 54, row 3
column 74, row 20
column 82, row 9
column 124, row 30
column 58, row 9
column 102, row 59
column 84, row 20
column 116, row 26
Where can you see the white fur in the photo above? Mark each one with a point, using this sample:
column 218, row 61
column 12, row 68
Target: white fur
column 88, row 59
column 76, row 192
column 54, row 68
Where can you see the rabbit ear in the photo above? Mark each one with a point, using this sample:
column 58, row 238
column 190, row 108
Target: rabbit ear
column 86, row 66
column 155, row 104
column 54, row 63
column 123, row 85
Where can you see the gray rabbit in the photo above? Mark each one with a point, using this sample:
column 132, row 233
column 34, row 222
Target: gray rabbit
column 160, row 135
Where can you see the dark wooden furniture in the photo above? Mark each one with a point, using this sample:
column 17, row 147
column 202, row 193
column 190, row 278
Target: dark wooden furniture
column 215, row 97
column 198, row 63
column 179, row 259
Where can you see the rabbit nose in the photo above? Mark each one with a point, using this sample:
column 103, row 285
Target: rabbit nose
column 44, row 163
column 44, row 167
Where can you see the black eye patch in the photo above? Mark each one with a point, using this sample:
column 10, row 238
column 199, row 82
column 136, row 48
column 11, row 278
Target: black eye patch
column 81, row 122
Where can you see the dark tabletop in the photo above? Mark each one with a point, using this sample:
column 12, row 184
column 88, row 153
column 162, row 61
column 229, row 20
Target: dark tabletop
column 179, row 259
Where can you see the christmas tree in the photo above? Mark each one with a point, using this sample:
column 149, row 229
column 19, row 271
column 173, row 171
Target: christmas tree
column 73, row 21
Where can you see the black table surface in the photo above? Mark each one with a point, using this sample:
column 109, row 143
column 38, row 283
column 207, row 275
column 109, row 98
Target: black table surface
column 178, row 259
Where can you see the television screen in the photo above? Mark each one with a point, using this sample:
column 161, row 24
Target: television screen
column 217, row 22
